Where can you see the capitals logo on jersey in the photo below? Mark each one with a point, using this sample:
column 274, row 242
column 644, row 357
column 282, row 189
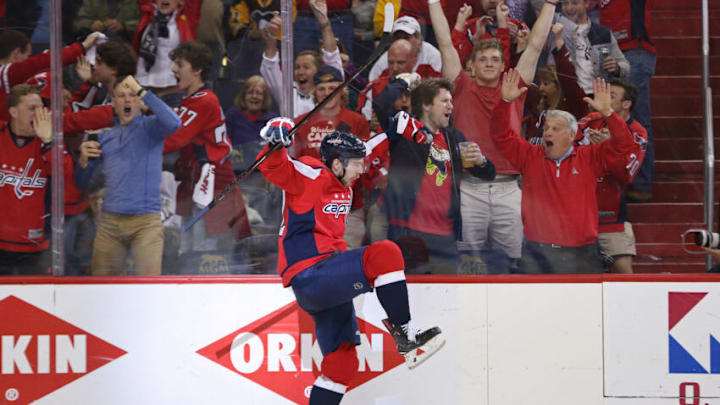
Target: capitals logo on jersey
column 339, row 205
column 21, row 180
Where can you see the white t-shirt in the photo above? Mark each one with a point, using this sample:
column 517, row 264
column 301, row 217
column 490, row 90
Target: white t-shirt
column 583, row 59
column 160, row 74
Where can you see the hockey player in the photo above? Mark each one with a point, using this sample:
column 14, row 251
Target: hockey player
column 325, row 276
column 615, row 232
column 331, row 117
column 204, row 167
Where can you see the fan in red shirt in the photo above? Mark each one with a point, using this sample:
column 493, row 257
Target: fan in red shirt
column 203, row 168
column 492, row 227
column 334, row 116
column 616, row 236
column 25, row 164
column 559, row 204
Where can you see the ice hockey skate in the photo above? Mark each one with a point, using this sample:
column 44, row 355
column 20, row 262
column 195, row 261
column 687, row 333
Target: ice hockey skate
column 415, row 345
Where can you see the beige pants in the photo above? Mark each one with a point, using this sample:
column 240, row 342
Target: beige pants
column 491, row 215
column 141, row 234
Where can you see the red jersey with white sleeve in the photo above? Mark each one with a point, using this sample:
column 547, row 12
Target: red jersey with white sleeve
column 24, row 200
column 612, row 208
column 316, row 206
column 18, row 72
column 202, row 138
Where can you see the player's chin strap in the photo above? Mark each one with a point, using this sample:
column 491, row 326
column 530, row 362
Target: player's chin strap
column 343, row 164
column 381, row 48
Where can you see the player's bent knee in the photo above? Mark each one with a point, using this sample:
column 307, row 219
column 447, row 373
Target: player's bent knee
column 382, row 257
column 341, row 365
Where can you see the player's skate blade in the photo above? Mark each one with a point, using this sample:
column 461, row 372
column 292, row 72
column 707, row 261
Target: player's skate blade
column 417, row 356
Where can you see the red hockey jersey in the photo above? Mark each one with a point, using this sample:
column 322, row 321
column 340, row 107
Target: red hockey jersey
column 612, row 208
column 316, row 207
column 310, row 135
column 18, row 72
column 24, row 200
column 203, row 138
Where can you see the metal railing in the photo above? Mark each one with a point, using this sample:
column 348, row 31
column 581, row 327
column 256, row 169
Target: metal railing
column 708, row 138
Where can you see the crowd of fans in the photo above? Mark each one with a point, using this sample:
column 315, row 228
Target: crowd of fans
column 503, row 136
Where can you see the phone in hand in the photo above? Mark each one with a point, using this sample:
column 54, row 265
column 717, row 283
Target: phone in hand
column 94, row 138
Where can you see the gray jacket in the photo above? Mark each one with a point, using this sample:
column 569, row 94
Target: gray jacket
column 598, row 37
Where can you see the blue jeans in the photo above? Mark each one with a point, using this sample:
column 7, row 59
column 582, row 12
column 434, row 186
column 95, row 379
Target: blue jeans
column 306, row 33
column 642, row 66
column 79, row 235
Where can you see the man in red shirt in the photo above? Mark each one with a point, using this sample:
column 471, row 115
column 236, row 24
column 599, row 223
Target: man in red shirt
column 490, row 209
column 559, row 205
column 616, row 236
column 334, row 116
column 25, row 164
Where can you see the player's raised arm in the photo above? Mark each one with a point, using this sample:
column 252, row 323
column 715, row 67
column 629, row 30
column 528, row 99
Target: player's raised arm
column 279, row 168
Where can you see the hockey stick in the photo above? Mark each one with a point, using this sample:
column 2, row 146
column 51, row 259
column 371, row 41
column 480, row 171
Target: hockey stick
column 381, row 48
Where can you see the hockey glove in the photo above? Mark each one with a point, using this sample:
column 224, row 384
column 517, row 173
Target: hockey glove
column 277, row 130
column 410, row 128
column 204, row 190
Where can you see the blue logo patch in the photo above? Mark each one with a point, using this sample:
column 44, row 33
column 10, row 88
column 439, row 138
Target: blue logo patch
column 681, row 361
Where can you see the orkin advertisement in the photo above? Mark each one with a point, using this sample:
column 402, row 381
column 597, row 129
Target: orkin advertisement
column 217, row 344
column 509, row 341
column 661, row 341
